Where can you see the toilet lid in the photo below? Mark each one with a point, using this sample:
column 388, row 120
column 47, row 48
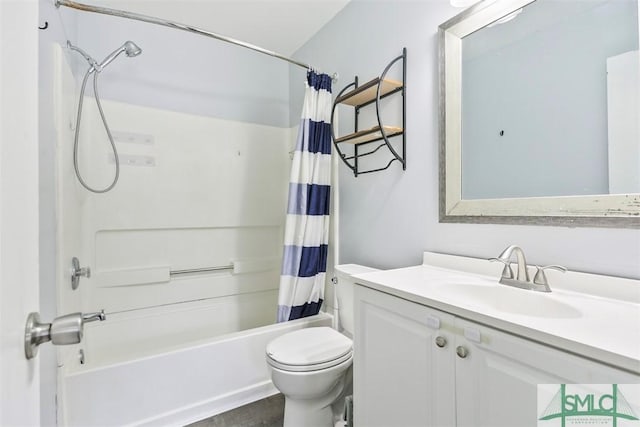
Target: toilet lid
column 310, row 346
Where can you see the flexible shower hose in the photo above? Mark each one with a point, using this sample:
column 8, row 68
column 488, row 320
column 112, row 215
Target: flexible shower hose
column 106, row 127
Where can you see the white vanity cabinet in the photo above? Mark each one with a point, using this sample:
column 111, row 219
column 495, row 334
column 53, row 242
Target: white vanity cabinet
column 401, row 377
column 480, row 376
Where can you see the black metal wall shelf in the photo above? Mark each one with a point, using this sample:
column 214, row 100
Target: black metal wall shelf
column 361, row 96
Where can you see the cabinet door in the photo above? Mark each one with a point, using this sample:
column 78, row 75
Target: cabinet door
column 402, row 378
column 496, row 382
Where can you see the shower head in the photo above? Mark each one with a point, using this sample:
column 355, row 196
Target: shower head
column 132, row 49
column 129, row 47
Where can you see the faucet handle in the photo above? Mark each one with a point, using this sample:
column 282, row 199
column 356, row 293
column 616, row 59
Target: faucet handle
column 507, row 272
column 540, row 278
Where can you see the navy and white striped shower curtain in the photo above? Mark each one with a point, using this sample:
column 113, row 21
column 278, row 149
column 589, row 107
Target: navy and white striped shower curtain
column 307, row 226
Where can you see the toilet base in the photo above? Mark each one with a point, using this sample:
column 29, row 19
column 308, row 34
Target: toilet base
column 311, row 396
column 312, row 412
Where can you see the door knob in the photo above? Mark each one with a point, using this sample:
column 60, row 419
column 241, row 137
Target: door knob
column 63, row 330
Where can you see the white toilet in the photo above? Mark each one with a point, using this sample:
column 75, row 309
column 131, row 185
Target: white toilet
column 310, row 366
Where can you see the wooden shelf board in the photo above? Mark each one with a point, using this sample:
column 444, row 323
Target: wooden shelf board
column 367, row 92
column 369, row 135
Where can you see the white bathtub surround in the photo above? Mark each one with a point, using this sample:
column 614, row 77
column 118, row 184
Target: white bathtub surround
column 213, row 197
column 151, row 331
column 194, row 193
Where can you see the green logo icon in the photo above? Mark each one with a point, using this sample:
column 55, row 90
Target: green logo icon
column 566, row 405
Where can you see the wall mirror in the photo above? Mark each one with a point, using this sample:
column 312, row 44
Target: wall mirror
column 540, row 113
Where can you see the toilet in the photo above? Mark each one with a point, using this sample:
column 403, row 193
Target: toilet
column 311, row 366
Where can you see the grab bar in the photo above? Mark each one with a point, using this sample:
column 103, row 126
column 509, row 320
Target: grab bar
column 200, row 270
column 163, row 274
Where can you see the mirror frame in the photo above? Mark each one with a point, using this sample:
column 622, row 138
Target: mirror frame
column 609, row 210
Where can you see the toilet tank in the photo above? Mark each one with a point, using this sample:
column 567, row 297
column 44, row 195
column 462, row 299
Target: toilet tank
column 344, row 292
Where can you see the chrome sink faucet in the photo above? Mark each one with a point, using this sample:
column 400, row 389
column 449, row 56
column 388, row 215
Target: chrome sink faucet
column 522, row 279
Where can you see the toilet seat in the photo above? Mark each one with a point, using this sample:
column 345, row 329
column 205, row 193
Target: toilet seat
column 309, row 349
column 308, row 368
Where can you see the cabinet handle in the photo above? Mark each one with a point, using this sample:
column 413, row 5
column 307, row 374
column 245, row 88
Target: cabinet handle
column 441, row 341
column 462, row 352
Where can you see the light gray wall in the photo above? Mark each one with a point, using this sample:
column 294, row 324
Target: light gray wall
column 388, row 219
column 548, row 93
column 181, row 71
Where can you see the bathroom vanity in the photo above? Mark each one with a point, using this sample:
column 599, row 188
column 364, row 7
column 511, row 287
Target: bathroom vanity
column 443, row 344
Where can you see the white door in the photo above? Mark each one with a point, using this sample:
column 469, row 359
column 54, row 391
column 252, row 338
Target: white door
column 19, row 378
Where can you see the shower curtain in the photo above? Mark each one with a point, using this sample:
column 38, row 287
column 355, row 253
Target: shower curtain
column 307, row 225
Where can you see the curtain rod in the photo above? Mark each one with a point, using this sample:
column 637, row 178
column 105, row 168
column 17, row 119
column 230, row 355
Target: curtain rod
column 176, row 25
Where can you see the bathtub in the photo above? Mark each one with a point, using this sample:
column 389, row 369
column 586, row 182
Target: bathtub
column 177, row 386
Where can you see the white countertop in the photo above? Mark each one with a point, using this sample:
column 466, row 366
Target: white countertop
column 593, row 316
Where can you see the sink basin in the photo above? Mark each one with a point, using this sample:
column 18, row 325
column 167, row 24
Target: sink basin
column 510, row 300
